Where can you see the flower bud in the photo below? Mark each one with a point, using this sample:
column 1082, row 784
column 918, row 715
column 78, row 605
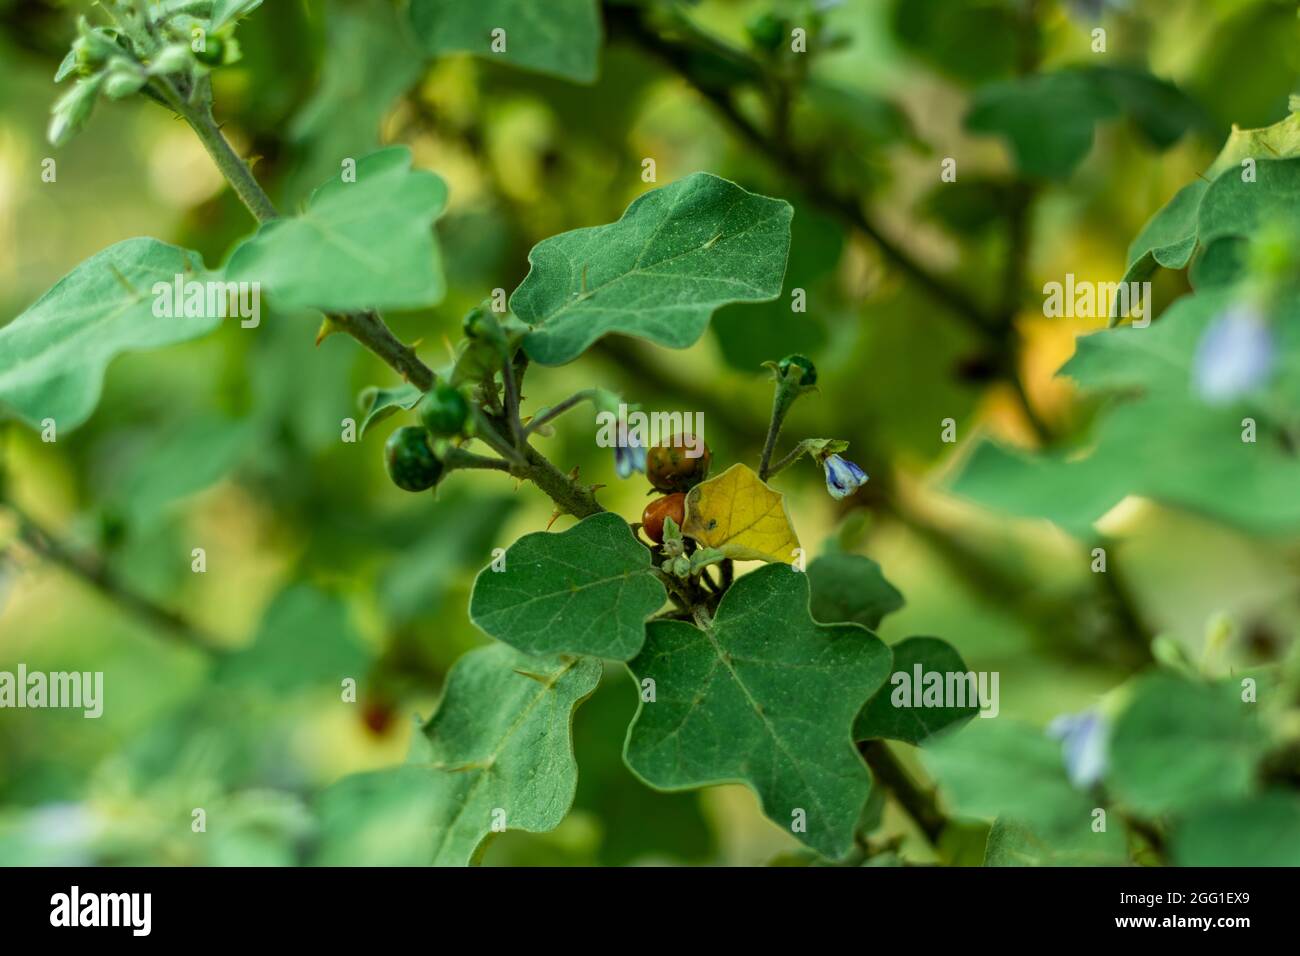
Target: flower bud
column 843, row 477
column 123, row 81
column 175, row 58
column 72, row 110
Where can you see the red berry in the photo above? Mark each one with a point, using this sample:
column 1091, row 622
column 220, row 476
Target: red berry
column 652, row 519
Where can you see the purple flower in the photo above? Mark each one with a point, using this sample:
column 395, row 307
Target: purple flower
column 1083, row 745
column 1236, row 355
column 629, row 456
column 842, row 476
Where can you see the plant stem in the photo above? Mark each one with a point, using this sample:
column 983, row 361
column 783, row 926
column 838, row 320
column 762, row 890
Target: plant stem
column 235, row 170
column 569, row 496
column 369, row 329
column 512, row 401
column 785, row 462
column 788, row 388
column 455, row 458
column 486, row 431
column 556, row 411
column 366, row 327
column 919, row 804
column 91, row 569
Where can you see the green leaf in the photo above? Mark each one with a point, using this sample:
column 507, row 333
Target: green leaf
column 587, row 590
column 1257, row 831
column 460, row 531
column 358, row 245
column 850, row 588
column 179, row 460
column 378, row 403
column 765, row 697
column 639, row 825
column 306, row 639
column 499, row 750
column 890, row 713
column 1180, row 745
column 53, row 356
column 228, row 11
column 1169, row 237
column 1233, row 208
column 1159, row 110
column 1001, row 768
column 1047, row 119
column 559, row 37
column 750, row 334
column 1165, row 445
column 1014, row 844
column 971, row 42
column 1281, row 140
column 677, row 254
column 370, row 59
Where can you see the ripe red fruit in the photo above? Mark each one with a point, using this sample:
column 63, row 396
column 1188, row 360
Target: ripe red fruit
column 652, row 519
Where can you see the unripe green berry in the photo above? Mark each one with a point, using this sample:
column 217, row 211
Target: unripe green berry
column 804, row 363
column 410, row 460
column 444, row 411
column 213, row 52
column 766, row 31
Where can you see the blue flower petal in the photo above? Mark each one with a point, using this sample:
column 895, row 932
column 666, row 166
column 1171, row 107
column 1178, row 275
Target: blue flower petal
column 1083, row 739
column 843, row 477
column 1235, row 356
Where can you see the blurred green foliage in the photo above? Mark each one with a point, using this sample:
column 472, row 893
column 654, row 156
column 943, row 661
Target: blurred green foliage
column 316, row 565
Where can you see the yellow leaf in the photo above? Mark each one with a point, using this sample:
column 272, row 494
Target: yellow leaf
column 740, row 516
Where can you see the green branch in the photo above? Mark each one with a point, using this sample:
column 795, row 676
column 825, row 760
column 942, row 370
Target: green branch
column 92, row 569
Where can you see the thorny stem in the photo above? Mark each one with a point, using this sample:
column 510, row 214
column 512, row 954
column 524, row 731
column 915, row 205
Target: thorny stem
column 366, row 327
column 569, row 496
column 369, row 329
column 485, row 430
column 512, row 401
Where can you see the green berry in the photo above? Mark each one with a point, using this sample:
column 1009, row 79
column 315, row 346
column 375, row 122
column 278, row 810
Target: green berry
column 766, row 30
column 213, row 52
column 444, row 411
column 804, row 363
column 410, row 460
